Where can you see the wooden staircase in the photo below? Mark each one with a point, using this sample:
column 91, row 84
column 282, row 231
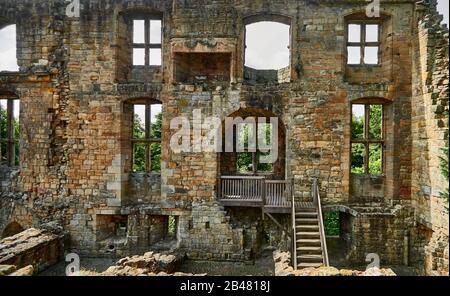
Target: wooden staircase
column 309, row 248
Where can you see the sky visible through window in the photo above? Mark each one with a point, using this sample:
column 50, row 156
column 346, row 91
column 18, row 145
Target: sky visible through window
column 267, row 46
column 8, row 60
column 4, row 104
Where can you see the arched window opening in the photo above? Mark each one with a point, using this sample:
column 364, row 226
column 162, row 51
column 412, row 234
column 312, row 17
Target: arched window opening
column 267, row 46
column 8, row 49
column 267, row 52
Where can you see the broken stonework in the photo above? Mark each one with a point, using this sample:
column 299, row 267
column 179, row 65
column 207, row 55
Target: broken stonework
column 77, row 87
column 283, row 267
column 39, row 248
column 150, row 264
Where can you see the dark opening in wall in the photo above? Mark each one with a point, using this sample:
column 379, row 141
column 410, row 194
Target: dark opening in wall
column 109, row 226
column 13, row 228
column 202, row 67
column 338, row 230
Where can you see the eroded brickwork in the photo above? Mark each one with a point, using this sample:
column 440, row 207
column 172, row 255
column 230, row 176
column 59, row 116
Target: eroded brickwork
column 76, row 80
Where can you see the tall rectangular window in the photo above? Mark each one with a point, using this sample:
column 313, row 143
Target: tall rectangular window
column 363, row 43
column 147, row 41
column 9, row 132
column 367, row 147
column 146, row 137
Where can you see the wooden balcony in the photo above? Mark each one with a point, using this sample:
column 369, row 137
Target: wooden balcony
column 273, row 196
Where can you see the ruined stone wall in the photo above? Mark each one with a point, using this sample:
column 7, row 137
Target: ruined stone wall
column 430, row 132
column 382, row 231
column 38, row 248
column 76, row 77
column 208, row 234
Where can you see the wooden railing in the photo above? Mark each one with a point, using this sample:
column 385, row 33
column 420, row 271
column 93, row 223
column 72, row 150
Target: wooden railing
column 278, row 193
column 317, row 202
column 242, row 188
column 294, row 232
column 255, row 189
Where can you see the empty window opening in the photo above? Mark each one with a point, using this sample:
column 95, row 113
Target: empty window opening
column 202, row 67
column 332, row 223
column 249, row 159
column 367, row 139
column 146, row 138
column 267, row 46
column 8, row 49
column 9, row 131
column 147, row 42
column 172, row 227
column 111, row 226
column 363, row 43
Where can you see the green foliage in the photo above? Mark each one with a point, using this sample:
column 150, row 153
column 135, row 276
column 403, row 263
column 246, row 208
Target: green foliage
column 245, row 159
column 4, row 135
column 375, row 150
column 332, row 223
column 172, row 227
column 139, row 148
column 357, row 127
column 358, row 152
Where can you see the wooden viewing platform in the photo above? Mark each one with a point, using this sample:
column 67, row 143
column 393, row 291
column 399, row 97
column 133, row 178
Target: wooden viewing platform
column 274, row 196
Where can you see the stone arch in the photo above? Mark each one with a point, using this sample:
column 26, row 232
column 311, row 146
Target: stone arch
column 342, row 209
column 11, row 229
column 267, row 17
column 267, row 72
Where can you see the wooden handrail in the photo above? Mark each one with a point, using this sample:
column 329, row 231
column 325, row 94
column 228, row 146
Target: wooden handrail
column 323, row 238
column 294, row 238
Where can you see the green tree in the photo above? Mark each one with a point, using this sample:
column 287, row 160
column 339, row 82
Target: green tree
column 332, row 223
column 245, row 159
column 139, row 148
column 375, row 150
column 4, row 135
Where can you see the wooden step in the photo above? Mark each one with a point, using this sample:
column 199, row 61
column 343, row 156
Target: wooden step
column 308, row 265
column 308, row 241
column 306, row 214
column 308, row 234
column 309, row 257
column 309, row 249
column 310, row 227
column 307, row 221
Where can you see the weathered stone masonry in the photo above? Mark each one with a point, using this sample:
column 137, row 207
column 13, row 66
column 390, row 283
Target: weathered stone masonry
column 76, row 77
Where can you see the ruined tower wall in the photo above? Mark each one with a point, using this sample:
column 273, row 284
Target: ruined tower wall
column 430, row 135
